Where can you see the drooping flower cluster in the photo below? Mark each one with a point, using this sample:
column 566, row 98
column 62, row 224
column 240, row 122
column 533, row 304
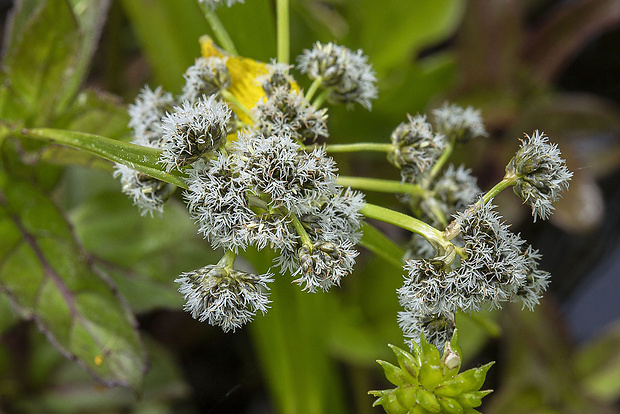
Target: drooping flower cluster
column 541, row 174
column 147, row 193
column 346, row 75
column 497, row 267
column 267, row 191
column 223, row 296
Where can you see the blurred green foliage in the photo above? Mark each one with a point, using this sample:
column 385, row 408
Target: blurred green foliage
column 78, row 260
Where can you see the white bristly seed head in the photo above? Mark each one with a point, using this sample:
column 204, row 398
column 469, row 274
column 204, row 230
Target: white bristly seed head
column 193, row 130
column 415, row 147
column 541, row 174
column 347, row 75
column 205, row 77
column 146, row 112
column 459, row 124
column 224, row 297
column 286, row 112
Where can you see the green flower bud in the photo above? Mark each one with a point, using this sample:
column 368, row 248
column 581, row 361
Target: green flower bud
column 429, row 383
column 472, row 399
column 393, row 374
column 450, row 405
column 406, row 361
column 427, row 400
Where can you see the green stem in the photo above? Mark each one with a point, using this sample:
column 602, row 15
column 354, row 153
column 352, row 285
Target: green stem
column 431, row 234
column 222, row 36
column 316, row 84
column 382, row 186
column 499, row 187
column 361, row 146
column 319, row 100
column 441, row 161
column 301, row 231
column 283, row 31
column 233, row 100
column 228, row 260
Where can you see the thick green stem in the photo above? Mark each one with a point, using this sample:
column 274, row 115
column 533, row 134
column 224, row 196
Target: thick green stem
column 283, row 31
column 233, row 100
column 382, row 186
column 360, row 146
column 228, row 260
column 301, row 231
column 319, row 100
column 499, row 187
column 431, row 234
column 222, row 36
column 316, row 84
column 441, row 161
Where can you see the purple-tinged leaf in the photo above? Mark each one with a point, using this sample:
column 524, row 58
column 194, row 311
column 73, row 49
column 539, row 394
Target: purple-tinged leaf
column 49, row 279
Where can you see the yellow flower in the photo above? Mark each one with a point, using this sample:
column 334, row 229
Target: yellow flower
column 243, row 73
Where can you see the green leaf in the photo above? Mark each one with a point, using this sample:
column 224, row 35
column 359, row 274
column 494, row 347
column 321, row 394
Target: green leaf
column 169, row 32
column 155, row 250
column 90, row 15
column 143, row 159
column 379, row 244
column 598, row 363
column 98, row 113
column 50, row 280
column 412, row 26
column 252, row 28
column 43, row 60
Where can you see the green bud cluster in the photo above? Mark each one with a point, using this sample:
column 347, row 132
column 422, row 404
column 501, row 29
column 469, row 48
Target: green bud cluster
column 427, row 382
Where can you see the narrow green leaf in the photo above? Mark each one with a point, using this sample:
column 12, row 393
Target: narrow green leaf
column 50, row 280
column 43, row 59
column 382, row 246
column 143, row 159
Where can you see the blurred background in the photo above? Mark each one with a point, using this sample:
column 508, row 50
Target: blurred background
column 526, row 64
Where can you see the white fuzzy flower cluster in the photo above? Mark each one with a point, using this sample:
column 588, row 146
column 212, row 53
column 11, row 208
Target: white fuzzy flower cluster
column 541, row 174
column 346, row 75
column 459, row 124
column 223, row 296
column 498, row 267
column 415, row 147
column 286, row 112
column 147, row 193
column 207, row 76
column 185, row 128
column 192, row 130
column 262, row 191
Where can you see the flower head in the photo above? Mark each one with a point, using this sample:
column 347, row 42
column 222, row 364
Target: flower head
column 193, row 130
column 540, row 172
column 459, row 124
column 347, row 75
column 415, row 147
column 205, row 77
column 286, row 112
column 436, row 328
column 147, row 193
column 224, row 297
column 146, row 112
column 277, row 77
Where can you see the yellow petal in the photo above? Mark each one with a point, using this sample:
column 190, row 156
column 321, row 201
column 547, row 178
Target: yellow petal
column 243, row 73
